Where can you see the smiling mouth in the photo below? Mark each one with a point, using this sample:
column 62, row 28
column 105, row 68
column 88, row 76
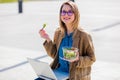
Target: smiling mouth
column 67, row 18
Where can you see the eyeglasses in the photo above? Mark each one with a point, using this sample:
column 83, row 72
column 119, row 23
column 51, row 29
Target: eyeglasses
column 69, row 13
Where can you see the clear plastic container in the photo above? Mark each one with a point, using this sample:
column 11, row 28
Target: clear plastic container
column 69, row 53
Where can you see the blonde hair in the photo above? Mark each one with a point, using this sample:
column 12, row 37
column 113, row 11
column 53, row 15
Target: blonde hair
column 74, row 8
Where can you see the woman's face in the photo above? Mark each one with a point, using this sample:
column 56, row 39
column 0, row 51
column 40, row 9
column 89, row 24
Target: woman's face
column 67, row 15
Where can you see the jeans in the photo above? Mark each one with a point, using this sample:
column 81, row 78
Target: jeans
column 43, row 79
column 38, row 79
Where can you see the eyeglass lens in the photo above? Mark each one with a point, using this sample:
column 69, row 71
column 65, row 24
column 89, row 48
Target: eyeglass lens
column 69, row 13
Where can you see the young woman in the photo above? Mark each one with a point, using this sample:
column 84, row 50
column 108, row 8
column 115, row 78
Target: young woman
column 70, row 34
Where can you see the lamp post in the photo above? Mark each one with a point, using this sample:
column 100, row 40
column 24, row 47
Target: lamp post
column 20, row 6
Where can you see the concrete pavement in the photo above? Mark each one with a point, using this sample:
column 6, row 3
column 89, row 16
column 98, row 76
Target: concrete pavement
column 19, row 36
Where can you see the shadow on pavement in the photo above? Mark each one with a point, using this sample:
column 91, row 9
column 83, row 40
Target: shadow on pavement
column 19, row 64
column 106, row 27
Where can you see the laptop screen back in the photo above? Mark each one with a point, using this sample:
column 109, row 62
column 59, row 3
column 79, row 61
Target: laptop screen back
column 42, row 69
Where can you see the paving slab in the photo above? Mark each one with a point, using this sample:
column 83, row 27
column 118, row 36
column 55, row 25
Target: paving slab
column 19, row 36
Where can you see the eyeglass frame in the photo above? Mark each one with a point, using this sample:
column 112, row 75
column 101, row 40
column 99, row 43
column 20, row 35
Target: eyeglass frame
column 69, row 13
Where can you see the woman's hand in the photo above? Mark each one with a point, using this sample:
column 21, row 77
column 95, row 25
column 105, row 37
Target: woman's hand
column 44, row 35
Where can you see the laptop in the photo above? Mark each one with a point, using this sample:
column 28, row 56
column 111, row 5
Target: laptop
column 44, row 71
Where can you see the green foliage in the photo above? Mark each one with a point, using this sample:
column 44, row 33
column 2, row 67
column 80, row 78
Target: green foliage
column 6, row 1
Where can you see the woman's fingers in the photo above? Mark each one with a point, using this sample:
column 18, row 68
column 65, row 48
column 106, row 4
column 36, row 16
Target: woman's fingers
column 43, row 34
